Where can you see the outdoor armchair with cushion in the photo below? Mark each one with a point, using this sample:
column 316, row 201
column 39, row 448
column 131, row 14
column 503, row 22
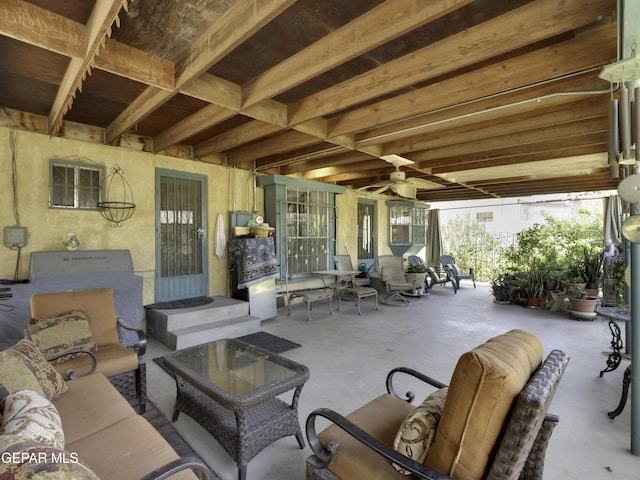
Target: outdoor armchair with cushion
column 343, row 262
column 456, row 272
column 391, row 270
column 493, row 424
column 59, row 323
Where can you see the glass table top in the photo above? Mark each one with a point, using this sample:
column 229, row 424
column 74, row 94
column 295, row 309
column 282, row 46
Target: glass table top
column 235, row 367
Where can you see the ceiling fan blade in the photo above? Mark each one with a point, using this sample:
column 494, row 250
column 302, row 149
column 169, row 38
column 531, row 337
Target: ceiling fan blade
column 380, row 190
column 375, row 185
column 423, row 184
column 406, row 190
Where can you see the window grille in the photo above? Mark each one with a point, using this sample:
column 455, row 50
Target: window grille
column 308, row 234
column 75, row 185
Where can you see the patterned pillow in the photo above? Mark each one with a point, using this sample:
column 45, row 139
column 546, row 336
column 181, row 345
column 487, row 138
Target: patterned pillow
column 23, row 458
column 62, row 333
column 418, row 429
column 32, row 416
column 24, row 368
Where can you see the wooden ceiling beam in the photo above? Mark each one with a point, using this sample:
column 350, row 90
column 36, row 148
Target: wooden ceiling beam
column 504, row 128
column 520, row 101
column 565, row 58
column 99, row 25
column 236, row 136
column 241, row 21
column 379, row 25
column 36, row 26
column 528, row 153
column 522, row 26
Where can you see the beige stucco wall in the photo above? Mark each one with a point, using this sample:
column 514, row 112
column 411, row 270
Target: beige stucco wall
column 228, row 189
column 47, row 226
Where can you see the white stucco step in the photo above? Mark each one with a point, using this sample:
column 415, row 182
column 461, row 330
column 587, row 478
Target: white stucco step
column 208, row 332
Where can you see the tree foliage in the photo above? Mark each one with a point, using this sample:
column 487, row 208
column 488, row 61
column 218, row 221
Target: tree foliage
column 555, row 244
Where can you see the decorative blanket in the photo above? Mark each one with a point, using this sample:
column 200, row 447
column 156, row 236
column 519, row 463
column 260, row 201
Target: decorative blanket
column 254, row 259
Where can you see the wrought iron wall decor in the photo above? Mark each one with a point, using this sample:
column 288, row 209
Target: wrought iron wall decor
column 118, row 205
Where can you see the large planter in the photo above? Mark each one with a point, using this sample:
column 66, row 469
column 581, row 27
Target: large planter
column 583, row 308
column 418, row 279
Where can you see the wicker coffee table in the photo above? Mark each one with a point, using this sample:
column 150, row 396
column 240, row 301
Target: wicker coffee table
column 230, row 387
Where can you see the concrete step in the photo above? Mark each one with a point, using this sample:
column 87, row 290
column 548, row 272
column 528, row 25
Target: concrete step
column 215, row 330
column 220, row 309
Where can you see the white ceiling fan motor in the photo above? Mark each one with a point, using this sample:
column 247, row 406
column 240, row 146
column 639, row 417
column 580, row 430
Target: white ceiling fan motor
column 397, row 176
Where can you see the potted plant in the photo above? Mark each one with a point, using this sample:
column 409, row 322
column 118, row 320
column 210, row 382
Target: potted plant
column 582, row 304
column 533, row 286
column 416, row 274
column 592, row 270
column 502, row 288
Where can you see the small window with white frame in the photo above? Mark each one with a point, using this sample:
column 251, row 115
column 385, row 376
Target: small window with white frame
column 75, row 185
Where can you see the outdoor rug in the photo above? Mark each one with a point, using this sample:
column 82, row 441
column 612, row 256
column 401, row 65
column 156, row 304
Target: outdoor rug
column 269, row 342
column 169, row 433
column 182, row 303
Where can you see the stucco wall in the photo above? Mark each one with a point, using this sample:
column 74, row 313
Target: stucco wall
column 47, row 226
column 228, row 189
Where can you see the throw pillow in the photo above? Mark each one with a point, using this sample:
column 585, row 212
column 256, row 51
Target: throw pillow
column 23, row 367
column 416, row 434
column 30, row 415
column 62, row 333
column 23, row 458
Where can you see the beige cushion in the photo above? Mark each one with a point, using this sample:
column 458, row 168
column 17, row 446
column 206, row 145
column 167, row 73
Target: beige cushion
column 62, row 333
column 23, row 367
column 112, row 360
column 481, row 394
column 144, row 451
column 380, row 418
column 30, row 415
column 77, row 407
column 416, row 434
column 52, row 463
column 96, row 303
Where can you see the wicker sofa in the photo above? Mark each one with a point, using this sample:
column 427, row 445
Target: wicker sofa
column 491, row 422
column 123, row 366
column 81, row 429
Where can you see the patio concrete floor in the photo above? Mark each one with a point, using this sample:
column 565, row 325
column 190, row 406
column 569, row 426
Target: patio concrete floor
column 349, row 356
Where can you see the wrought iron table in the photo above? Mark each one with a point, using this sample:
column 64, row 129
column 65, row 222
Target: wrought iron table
column 230, row 387
column 617, row 314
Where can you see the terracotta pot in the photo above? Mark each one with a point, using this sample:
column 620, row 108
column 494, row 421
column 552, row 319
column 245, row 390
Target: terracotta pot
column 583, row 304
column 533, row 302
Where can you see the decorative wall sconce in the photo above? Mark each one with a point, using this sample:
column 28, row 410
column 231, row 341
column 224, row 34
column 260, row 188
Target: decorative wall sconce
column 118, row 205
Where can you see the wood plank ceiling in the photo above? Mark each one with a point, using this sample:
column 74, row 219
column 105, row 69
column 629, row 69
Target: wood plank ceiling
column 488, row 98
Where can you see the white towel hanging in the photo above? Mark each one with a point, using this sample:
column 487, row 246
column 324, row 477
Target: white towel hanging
column 221, row 237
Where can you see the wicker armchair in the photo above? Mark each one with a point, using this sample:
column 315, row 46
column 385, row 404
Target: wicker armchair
column 122, row 365
column 359, row 445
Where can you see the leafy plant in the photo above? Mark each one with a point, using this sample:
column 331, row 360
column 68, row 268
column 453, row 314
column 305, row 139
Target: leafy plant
column 592, row 267
column 533, row 283
column 503, row 288
column 419, row 268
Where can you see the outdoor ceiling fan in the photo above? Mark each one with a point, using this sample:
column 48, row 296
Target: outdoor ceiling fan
column 399, row 183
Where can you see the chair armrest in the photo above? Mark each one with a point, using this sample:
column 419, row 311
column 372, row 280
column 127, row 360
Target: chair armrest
column 141, row 346
column 71, row 374
column 409, row 396
column 323, row 457
column 178, row 465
